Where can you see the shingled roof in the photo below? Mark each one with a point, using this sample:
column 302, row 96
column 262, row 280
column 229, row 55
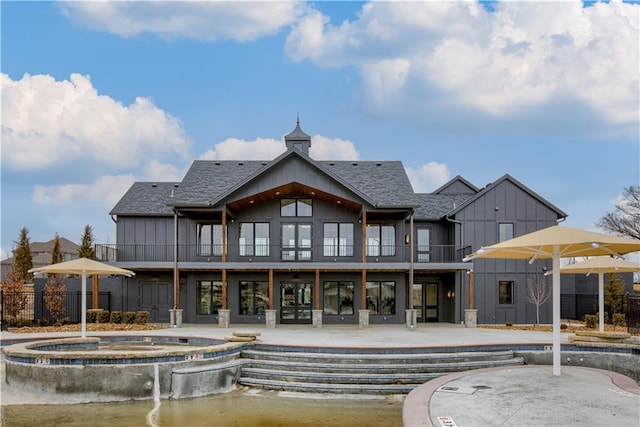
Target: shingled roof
column 147, row 198
column 436, row 206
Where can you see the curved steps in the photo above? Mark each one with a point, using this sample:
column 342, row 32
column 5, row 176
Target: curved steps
column 359, row 373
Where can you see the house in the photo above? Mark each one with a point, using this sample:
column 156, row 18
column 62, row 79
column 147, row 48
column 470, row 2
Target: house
column 297, row 240
column 41, row 253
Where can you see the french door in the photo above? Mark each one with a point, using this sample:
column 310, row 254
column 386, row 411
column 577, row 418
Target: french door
column 295, row 302
column 425, row 300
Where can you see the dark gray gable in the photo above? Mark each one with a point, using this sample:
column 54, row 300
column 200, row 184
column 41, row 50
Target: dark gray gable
column 146, row 198
column 524, row 188
column 457, row 185
column 436, row 206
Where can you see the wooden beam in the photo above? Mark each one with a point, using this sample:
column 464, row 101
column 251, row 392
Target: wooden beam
column 224, row 288
column 316, row 301
column 271, row 289
column 96, row 290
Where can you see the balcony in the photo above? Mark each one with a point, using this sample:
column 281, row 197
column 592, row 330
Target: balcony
column 276, row 253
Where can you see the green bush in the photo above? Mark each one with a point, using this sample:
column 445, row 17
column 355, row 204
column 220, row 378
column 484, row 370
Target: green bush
column 103, row 316
column 508, row 324
column 129, row 317
column 590, row 321
column 92, row 316
column 564, row 326
column 115, row 317
column 142, row 317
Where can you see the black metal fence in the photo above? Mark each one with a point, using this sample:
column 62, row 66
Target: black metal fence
column 633, row 314
column 30, row 308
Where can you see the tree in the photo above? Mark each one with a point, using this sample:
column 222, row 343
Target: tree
column 14, row 298
column 537, row 293
column 613, row 291
column 86, row 250
column 22, row 259
column 625, row 219
column 55, row 296
column 56, row 251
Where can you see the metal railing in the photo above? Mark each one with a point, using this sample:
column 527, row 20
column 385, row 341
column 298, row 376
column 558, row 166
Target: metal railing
column 633, row 314
column 277, row 253
column 30, row 308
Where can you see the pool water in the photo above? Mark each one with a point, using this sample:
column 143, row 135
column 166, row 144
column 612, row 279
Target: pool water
column 240, row 408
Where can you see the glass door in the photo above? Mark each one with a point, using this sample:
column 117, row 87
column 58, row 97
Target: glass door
column 295, row 302
column 425, row 299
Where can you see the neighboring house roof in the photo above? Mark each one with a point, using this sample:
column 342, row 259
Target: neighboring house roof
column 507, row 177
column 41, row 253
column 146, row 198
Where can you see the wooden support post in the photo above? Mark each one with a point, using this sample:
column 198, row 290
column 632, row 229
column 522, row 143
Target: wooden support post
column 95, row 291
column 316, row 301
column 270, row 289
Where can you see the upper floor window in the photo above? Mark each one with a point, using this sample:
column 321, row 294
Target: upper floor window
column 505, row 231
column 381, row 240
column 254, row 239
column 506, row 292
column 296, row 242
column 423, row 248
column 338, row 239
column 296, row 207
column 210, row 239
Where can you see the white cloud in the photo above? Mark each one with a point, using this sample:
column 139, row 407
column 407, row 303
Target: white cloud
column 428, row 177
column 521, row 55
column 47, row 122
column 202, row 20
column 105, row 191
column 322, row 148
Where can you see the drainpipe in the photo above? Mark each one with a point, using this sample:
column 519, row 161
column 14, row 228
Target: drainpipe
column 176, row 278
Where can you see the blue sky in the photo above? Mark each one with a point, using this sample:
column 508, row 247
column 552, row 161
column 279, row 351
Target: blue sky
column 97, row 95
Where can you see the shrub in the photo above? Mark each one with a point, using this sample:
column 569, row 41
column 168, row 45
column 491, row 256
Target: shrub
column 619, row 319
column 508, row 324
column 590, row 321
column 564, row 326
column 142, row 317
column 92, row 316
column 116, row 317
column 103, row 316
column 130, row 317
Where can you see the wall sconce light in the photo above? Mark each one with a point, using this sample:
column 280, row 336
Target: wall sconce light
column 407, row 239
column 296, row 278
column 451, row 294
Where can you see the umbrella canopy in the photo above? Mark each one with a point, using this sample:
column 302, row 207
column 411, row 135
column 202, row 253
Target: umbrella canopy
column 600, row 265
column 82, row 267
column 557, row 242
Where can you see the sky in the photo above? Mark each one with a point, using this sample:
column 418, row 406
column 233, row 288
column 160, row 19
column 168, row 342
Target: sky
column 97, row 95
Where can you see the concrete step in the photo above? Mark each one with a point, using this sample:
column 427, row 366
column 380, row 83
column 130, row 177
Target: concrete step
column 327, row 388
column 339, row 357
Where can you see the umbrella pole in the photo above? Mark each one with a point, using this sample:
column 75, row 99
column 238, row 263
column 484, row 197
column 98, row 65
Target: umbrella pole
column 556, row 310
column 84, row 304
column 601, row 300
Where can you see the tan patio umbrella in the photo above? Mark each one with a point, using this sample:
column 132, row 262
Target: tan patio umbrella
column 557, row 242
column 82, row 267
column 601, row 265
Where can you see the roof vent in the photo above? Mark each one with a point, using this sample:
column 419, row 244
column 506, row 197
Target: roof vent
column 332, row 164
column 240, row 163
column 264, row 163
column 154, row 185
column 176, row 185
column 355, row 163
column 378, row 164
column 217, row 163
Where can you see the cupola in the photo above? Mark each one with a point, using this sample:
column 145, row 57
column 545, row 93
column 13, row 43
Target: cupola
column 298, row 140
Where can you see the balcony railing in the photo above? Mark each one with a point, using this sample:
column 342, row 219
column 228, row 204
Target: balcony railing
column 276, row 253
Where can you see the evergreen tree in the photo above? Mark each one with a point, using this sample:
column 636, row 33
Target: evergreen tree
column 86, row 250
column 613, row 292
column 56, row 251
column 22, row 259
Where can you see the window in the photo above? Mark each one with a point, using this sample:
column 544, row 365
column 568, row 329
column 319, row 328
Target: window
column 338, row 239
column 210, row 239
column 208, row 297
column 254, row 297
column 505, row 292
column 381, row 297
column 338, row 298
column 296, row 242
column 423, row 248
column 381, row 240
column 505, row 231
column 254, row 239
column 296, row 207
